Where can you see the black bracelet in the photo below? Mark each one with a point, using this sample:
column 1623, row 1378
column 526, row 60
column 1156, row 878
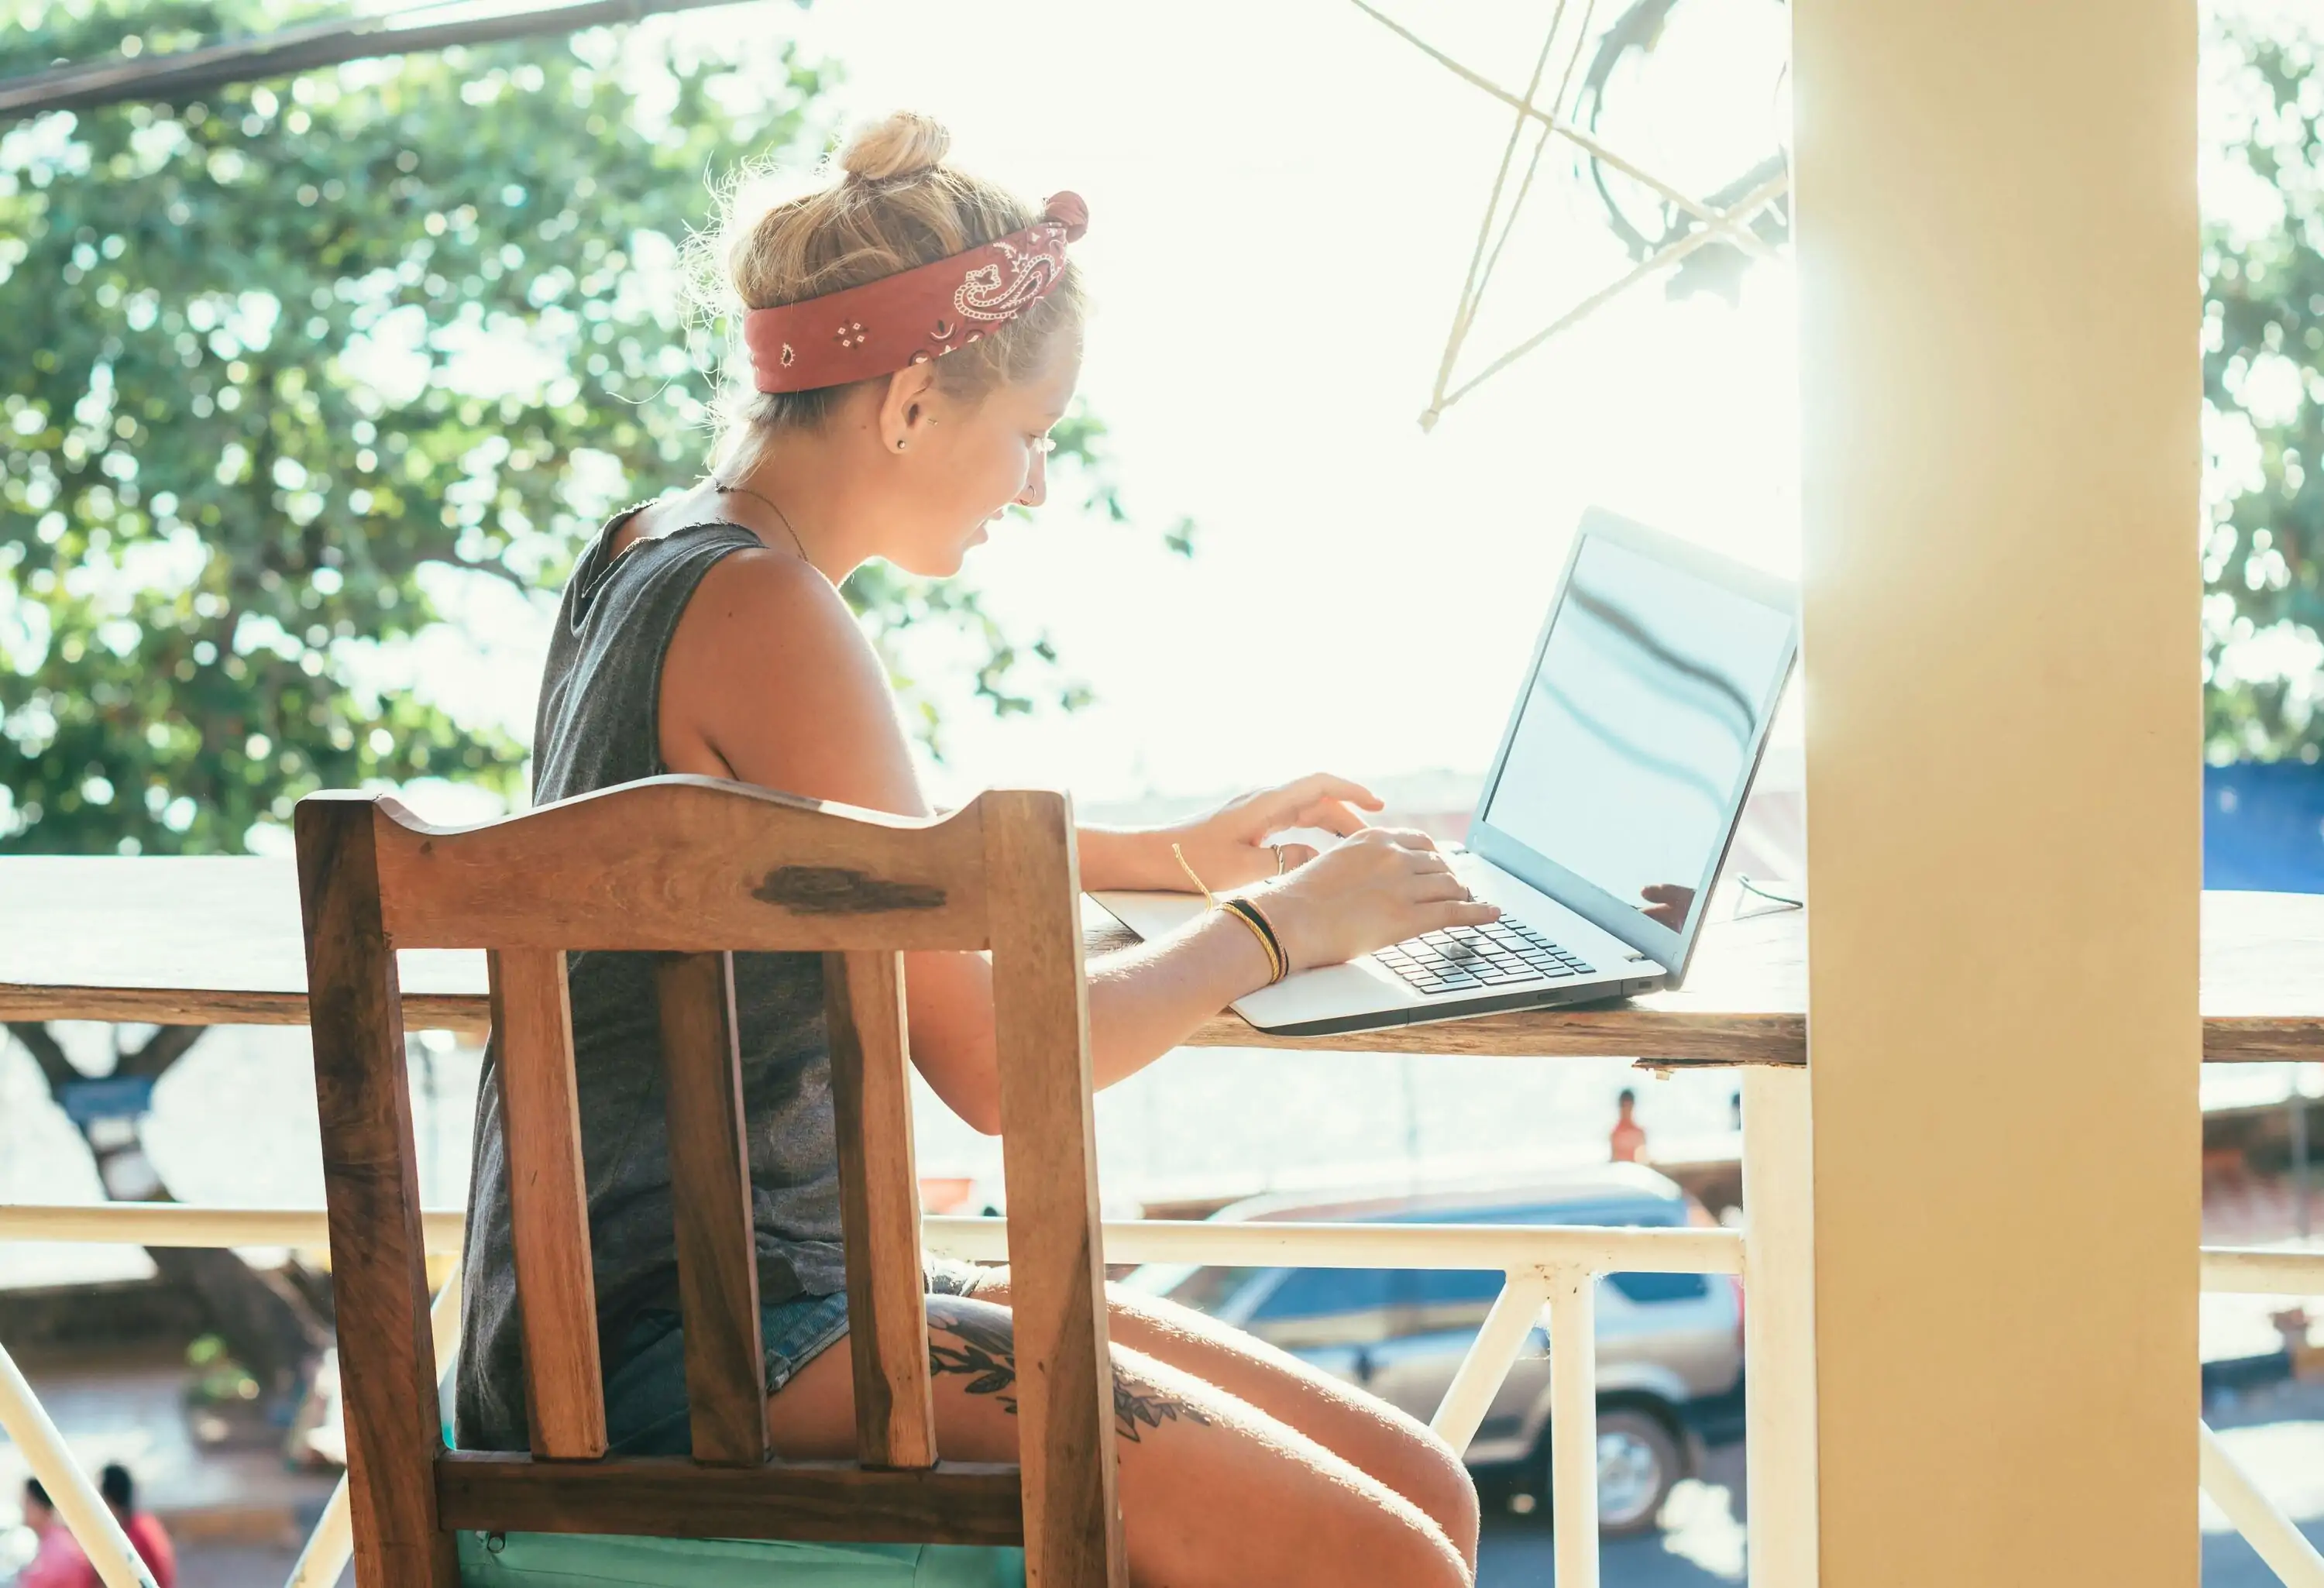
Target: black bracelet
column 1279, row 961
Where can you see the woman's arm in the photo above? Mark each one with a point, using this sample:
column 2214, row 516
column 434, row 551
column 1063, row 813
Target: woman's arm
column 769, row 680
column 1229, row 847
column 1377, row 888
column 1143, row 1002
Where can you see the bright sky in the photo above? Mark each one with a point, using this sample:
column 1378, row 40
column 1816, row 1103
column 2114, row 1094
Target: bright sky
column 1284, row 200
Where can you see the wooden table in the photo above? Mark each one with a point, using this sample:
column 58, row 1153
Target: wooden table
column 216, row 942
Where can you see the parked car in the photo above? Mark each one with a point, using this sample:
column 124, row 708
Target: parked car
column 1670, row 1346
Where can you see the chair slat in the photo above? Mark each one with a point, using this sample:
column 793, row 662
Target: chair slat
column 669, row 1497
column 371, row 1181
column 687, row 864
column 1040, row 1006
column 548, row 1202
column 879, row 1209
column 710, row 1191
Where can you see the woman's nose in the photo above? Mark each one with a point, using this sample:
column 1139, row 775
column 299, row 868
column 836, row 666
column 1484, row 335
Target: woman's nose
column 1036, row 483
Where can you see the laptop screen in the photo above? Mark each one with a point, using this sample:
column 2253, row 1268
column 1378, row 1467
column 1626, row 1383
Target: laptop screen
column 1639, row 727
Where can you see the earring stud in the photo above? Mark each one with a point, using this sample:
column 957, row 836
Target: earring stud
column 899, row 443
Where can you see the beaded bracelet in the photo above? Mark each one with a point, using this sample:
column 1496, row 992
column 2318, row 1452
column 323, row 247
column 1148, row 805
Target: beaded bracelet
column 1279, row 962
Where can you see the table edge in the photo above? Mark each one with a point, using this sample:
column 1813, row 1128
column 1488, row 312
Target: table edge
column 1661, row 1037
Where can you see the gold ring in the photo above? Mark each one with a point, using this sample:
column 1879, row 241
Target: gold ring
column 1278, row 858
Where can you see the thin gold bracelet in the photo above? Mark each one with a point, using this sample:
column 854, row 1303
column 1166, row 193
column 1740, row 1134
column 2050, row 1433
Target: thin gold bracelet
column 1188, row 866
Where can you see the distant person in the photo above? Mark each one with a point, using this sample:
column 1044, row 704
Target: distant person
column 144, row 1527
column 1628, row 1142
column 59, row 1561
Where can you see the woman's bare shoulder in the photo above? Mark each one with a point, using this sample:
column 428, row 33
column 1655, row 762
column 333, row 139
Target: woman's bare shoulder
column 769, row 674
column 760, row 580
column 760, row 610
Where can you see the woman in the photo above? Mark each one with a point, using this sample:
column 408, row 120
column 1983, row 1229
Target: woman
column 915, row 333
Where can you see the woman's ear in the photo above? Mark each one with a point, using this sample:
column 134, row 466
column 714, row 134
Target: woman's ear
column 904, row 414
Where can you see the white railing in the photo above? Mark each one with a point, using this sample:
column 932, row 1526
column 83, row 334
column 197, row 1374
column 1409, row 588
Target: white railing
column 1552, row 1269
column 26, row 1422
column 2241, row 1271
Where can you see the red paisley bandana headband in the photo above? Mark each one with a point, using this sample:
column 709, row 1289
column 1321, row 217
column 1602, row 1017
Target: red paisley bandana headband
column 915, row 315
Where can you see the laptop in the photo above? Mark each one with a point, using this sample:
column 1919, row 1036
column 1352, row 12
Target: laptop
column 1608, row 810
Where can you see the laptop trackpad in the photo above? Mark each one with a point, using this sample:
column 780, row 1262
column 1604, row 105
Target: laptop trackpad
column 1151, row 914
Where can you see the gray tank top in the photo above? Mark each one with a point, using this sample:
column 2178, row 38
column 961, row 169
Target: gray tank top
column 599, row 724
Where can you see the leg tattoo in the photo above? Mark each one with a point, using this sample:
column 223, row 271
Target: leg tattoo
column 980, row 1348
column 985, row 1352
column 1135, row 1404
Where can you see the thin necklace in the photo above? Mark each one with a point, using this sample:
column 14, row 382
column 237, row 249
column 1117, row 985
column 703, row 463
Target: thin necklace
column 746, row 491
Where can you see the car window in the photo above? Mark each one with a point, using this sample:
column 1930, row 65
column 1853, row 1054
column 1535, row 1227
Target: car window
column 1648, row 1289
column 1442, row 1288
column 1308, row 1293
column 1613, row 1212
column 1449, row 1287
column 1209, row 1290
column 1456, row 1287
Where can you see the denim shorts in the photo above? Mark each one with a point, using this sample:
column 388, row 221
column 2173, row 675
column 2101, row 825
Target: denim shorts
column 646, row 1411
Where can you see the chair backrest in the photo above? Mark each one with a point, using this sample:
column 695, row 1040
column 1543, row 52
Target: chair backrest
column 695, row 870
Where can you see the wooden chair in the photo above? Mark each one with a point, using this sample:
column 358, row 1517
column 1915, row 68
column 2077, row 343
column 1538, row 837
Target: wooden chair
column 694, row 870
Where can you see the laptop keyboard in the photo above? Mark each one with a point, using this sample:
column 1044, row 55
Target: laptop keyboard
column 1463, row 959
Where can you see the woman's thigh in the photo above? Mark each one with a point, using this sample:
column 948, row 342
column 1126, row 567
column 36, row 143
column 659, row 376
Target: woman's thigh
column 1214, row 1492
column 1395, row 1448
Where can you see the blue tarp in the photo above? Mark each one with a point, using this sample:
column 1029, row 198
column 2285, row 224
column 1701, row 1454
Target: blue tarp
column 2264, row 827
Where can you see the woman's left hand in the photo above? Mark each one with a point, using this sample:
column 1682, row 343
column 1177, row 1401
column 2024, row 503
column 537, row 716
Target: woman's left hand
column 1229, row 847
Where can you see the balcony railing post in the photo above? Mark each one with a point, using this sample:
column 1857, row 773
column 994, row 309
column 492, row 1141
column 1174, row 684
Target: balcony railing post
column 2270, row 1533
column 1779, row 1327
column 77, row 1500
column 1469, row 1396
column 1573, row 1424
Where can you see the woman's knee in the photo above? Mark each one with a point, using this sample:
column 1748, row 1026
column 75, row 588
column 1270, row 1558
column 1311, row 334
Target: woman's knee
column 1441, row 1486
column 1385, row 1539
column 1415, row 1461
column 1428, row 1557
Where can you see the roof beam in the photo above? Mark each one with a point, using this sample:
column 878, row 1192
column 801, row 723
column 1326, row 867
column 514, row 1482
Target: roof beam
column 184, row 74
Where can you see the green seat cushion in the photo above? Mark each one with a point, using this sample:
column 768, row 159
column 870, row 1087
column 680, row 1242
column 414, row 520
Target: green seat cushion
column 591, row 1560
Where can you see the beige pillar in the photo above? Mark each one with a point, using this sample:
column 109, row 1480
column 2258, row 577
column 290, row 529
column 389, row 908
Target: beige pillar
column 1999, row 316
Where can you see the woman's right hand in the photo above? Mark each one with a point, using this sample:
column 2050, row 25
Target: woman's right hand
column 1380, row 887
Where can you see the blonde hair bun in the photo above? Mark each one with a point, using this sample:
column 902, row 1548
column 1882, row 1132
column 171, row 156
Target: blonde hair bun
column 886, row 203
column 905, row 144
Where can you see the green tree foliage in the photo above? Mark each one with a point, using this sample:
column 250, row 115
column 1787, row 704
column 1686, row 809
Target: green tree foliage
column 2263, row 384
column 284, row 372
